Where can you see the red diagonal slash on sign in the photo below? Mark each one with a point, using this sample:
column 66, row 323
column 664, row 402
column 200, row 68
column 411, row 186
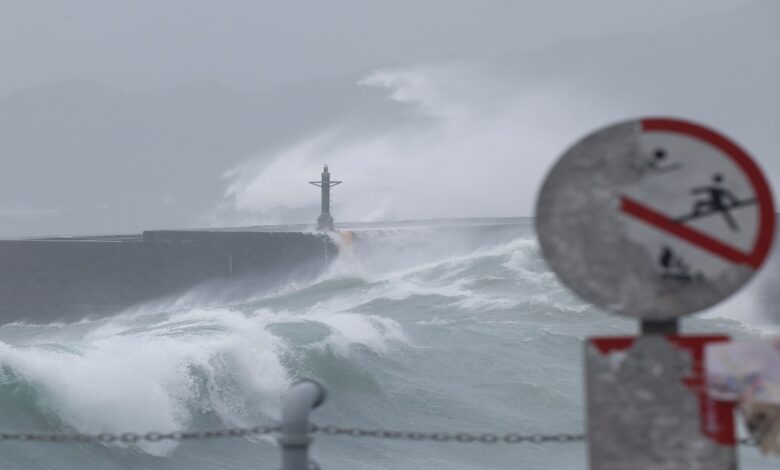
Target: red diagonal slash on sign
column 698, row 238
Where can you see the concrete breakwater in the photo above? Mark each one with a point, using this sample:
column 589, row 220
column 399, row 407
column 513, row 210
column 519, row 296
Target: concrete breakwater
column 67, row 278
column 44, row 280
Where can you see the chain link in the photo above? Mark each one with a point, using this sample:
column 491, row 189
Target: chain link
column 131, row 437
column 458, row 437
column 329, row 430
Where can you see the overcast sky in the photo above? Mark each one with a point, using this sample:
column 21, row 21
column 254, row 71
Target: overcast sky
column 120, row 116
column 149, row 43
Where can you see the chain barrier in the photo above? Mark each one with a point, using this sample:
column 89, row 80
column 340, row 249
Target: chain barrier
column 458, row 437
column 131, row 437
column 329, row 430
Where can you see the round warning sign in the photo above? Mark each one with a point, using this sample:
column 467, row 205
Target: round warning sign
column 655, row 218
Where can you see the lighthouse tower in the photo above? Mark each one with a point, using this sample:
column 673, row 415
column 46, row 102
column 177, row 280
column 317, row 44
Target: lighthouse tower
column 325, row 220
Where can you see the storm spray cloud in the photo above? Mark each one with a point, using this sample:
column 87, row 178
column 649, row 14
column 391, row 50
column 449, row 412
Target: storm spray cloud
column 474, row 137
column 472, row 144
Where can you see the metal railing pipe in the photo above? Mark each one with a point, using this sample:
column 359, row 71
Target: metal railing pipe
column 294, row 438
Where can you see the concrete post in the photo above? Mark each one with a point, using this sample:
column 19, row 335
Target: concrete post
column 294, row 439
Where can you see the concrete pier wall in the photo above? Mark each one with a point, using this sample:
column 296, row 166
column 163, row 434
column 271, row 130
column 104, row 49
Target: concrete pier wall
column 58, row 279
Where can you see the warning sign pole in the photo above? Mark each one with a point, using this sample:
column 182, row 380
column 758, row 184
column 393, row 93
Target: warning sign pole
column 659, row 327
column 655, row 219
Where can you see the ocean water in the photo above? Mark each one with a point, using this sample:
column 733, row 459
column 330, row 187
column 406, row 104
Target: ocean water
column 416, row 329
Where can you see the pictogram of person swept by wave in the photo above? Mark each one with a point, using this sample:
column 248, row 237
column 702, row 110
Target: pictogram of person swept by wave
column 715, row 199
column 673, row 266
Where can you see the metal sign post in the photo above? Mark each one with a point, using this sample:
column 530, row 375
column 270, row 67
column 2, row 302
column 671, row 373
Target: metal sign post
column 655, row 219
